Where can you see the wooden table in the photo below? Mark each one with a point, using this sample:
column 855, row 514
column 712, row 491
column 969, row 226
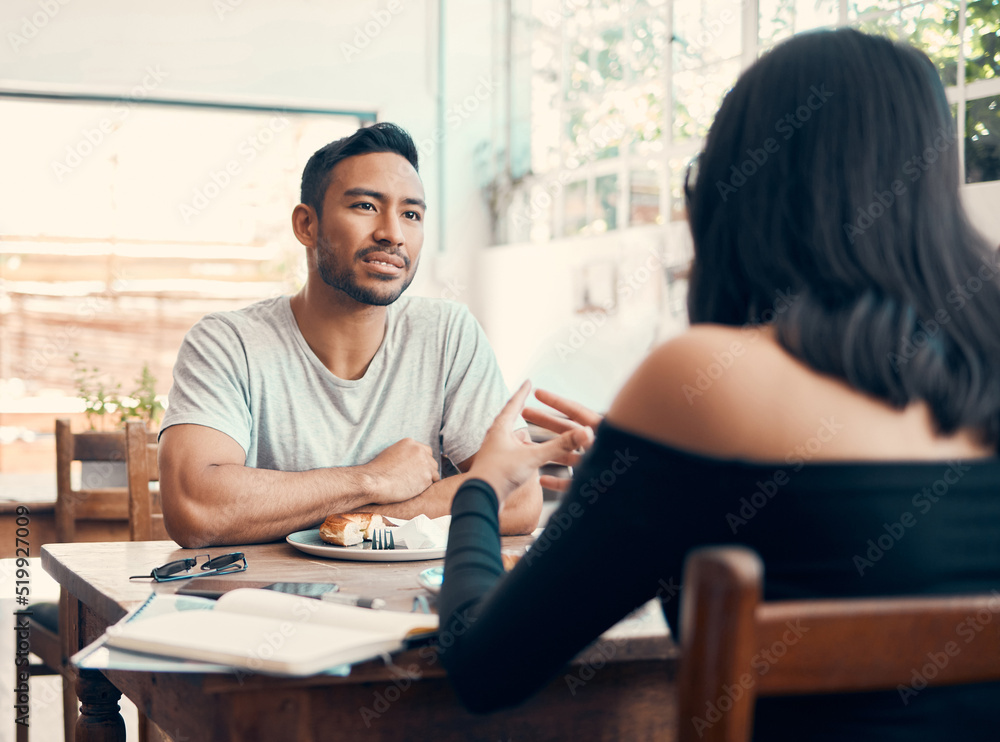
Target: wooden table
column 621, row 688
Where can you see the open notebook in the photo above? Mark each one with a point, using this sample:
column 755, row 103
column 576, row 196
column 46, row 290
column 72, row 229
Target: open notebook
column 270, row 632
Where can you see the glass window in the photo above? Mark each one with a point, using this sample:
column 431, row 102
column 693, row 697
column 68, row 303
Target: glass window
column 933, row 27
column 575, row 207
column 678, row 204
column 858, row 8
column 606, row 203
column 209, row 176
column 707, row 49
column 602, row 97
column 779, row 19
column 644, row 197
column 697, row 96
column 982, row 140
column 153, row 216
column 545, row 94
column 707, row 32
column 982, row 41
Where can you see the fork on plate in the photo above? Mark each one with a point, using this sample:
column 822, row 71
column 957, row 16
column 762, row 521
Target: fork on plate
column 382, row 539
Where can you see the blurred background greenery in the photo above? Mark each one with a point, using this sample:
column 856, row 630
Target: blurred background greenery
column 623, row 93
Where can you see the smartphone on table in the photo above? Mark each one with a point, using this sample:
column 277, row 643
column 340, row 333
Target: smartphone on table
column 215, row 589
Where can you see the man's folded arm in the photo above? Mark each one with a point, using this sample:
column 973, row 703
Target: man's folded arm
column 520, row 512
column 210, row 497
column 519, row 516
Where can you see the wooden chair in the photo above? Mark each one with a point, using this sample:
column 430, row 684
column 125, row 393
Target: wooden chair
column 145, row 515
column 88, row 513
column 853, row 644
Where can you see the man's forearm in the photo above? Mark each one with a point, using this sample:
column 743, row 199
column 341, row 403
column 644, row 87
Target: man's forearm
column 519, row 515
column 235, row 504
column 521, row 511
column 433, row 502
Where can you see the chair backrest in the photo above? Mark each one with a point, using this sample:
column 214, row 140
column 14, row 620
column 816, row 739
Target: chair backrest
column 734, row 647
column 108, row 505
column 145, row 515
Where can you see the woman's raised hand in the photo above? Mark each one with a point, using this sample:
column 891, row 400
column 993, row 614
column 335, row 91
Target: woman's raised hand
column 506, row 461
column 576, row 416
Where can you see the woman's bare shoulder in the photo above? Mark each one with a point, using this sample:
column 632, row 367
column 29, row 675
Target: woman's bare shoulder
column 735, row 392
column 702, row 391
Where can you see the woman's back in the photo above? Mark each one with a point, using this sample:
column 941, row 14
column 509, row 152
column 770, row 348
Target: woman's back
column 824, row 529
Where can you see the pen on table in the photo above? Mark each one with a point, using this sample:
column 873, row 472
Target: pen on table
column 358, row 600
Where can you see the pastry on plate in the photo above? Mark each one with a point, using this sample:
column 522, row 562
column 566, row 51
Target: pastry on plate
column 348, row 529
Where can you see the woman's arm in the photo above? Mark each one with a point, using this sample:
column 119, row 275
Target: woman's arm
column 611, row 546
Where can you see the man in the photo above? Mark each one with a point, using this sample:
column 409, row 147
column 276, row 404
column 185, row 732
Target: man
column 340, row 397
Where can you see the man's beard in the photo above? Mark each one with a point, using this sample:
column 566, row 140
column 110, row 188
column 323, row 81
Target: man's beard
column 343, row 277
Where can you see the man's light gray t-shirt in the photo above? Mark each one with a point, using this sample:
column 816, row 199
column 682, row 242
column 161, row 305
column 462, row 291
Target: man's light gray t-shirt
column 250, row 374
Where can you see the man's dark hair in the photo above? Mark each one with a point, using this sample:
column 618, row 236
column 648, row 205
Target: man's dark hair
column 831, row 173
column 381, row 137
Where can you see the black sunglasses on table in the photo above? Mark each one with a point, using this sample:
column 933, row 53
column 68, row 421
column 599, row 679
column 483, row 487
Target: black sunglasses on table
column 220, row 565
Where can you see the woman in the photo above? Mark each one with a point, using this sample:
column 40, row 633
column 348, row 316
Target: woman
column 840, row 383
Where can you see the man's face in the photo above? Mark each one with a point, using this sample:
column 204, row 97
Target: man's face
column 372, row 228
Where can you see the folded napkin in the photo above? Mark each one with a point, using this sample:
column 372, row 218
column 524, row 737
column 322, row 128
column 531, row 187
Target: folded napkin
column 420, row 532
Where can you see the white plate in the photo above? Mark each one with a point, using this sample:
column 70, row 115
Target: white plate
column 431, row 579
column 310, row 542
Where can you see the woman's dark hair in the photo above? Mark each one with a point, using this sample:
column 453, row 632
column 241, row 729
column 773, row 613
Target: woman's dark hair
column 826, row 201
column 381, row 137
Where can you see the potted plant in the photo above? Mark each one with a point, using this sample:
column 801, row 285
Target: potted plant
column 106, row 409
column 147, row 406
column 100, row 398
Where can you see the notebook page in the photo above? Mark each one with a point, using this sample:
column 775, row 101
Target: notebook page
column 299, row 609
